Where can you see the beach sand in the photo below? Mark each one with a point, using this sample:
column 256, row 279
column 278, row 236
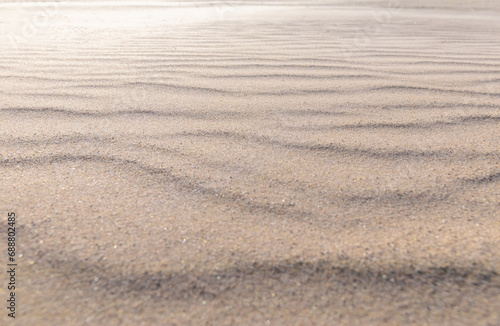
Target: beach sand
column 249, row 164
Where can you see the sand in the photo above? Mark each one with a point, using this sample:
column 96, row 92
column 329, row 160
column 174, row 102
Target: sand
column 252, row 164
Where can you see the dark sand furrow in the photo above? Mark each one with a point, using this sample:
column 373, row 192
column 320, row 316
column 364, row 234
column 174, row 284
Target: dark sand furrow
column 342, row 150
column 70, row 139
column 444, row 193
column 135, row 55
column 169, row 67
column 59, row 79
column 410, row 125
column 314, row 112
column 440, row 63
column 435, row 195
column 431, row 89
column 186, row 88
column 214, row 283
column 53, row 94
column 216, row 114
column 483, row 81
column 290, row 76
column 459, row 105
column 281, row 93
column 184, row 184
column 223, row 196
column 117, row 144
column 454, row 57
column 264, row 66
column 483, row 180
column 198, row 115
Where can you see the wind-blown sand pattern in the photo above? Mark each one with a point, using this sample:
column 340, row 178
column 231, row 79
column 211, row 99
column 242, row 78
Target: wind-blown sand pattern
column 239, row 163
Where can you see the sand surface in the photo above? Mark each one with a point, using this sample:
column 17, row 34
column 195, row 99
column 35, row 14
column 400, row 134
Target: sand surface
column 252, row 164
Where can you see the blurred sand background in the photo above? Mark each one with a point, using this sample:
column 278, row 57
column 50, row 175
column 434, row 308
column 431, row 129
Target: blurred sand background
column 240, row 163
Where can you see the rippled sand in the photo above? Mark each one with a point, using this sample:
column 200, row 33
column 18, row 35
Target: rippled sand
column 249, row 164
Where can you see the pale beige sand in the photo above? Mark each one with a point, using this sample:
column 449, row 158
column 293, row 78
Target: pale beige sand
column 253, row 165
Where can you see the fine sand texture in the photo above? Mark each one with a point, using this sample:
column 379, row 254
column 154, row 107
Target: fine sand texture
column 251, row 162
